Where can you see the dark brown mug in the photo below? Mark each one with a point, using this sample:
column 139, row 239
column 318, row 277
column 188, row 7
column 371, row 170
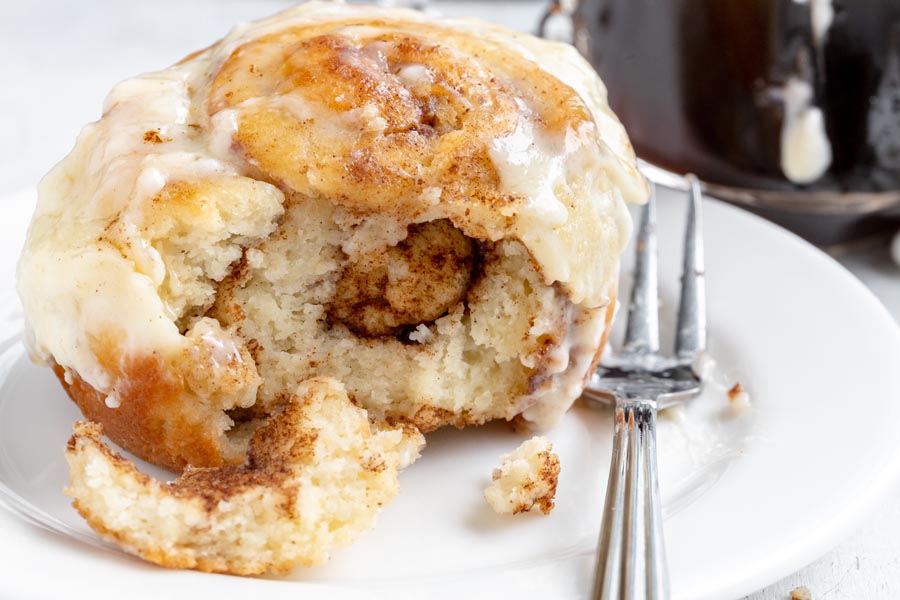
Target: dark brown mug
column 791, row 107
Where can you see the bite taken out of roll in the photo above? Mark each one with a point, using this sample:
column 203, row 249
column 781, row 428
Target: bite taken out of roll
column 430, row 211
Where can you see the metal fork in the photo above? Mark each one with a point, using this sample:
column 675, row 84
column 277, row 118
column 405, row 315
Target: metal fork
column 631, row 561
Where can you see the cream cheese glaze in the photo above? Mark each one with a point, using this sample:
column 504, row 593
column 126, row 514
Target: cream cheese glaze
column 572, row 360
column 79, row 287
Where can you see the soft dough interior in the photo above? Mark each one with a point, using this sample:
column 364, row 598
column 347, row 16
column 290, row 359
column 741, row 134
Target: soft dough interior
column 475, row 361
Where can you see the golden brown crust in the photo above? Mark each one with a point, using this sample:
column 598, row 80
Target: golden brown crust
column 414, row 134
column 153, row 420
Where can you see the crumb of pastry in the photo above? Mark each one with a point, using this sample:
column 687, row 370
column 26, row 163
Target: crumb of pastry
column 152, row 136
column 801, row 593
column 738, row 399
column 526, row 479
column 315, row 478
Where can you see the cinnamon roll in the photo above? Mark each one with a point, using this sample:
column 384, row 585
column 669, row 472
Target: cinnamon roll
column 430, row 211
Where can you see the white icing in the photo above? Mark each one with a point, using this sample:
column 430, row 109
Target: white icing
column 113, row 400
column 530, row 166
column 72, row 289
column 569, row 369
column 223, row 126
column 222, row 347
column 805, row 147
column 413, row 75
column 542, row 170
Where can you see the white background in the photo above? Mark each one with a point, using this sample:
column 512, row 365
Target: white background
column 60, row 58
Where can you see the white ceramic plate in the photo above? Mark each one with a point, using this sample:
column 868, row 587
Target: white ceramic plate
column 748, row 499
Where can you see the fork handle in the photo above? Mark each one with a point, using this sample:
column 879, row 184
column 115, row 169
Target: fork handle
column 631, row 558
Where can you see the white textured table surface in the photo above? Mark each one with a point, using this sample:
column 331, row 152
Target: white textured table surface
column 62, row 57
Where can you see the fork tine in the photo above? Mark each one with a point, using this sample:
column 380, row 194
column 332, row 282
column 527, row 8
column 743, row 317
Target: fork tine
column 690, row 337
column 642, row 330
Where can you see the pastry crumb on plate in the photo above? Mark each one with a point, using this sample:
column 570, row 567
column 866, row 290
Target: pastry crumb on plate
column 738, row 399
column 801, row 593
column 526, row 479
